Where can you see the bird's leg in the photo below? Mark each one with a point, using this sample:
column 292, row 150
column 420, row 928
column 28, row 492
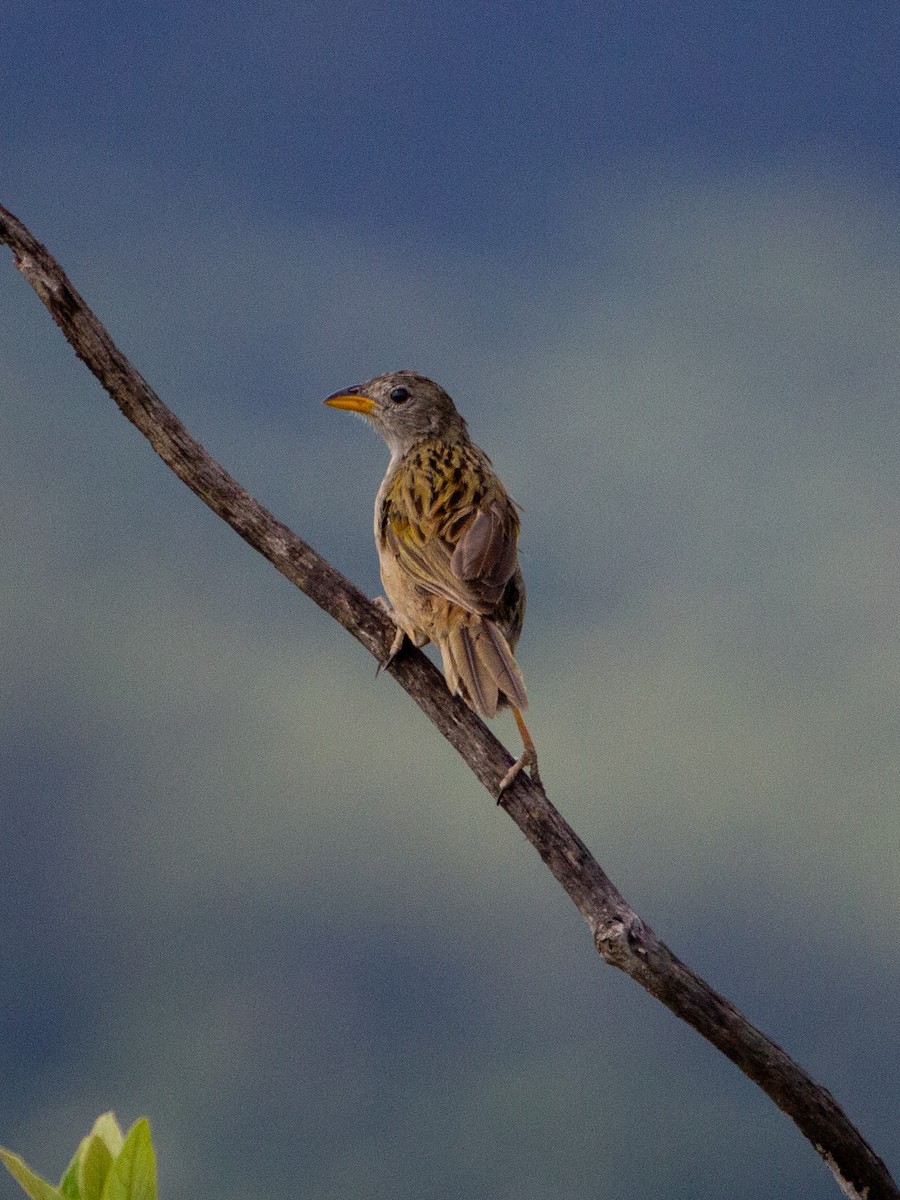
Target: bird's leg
column 416, row 636
column 528, row 757
column 399, row 636
column 396, row 647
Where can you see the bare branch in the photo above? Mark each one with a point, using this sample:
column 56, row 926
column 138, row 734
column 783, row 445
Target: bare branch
column 620, row 936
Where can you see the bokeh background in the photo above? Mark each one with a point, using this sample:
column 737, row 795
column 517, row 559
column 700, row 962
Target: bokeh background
column 245, row 889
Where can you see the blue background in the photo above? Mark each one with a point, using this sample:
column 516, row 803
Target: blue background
column 652, row 250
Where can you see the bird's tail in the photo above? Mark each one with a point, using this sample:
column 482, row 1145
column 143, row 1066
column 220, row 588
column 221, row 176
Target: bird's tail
column 480, row 667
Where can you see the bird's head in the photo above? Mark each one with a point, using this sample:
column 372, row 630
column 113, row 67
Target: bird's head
column 404, row 407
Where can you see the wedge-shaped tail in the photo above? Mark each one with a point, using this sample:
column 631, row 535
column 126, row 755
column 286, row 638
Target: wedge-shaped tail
column 480, row 667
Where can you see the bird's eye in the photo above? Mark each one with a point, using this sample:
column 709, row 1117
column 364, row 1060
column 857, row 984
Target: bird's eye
column 400, row 395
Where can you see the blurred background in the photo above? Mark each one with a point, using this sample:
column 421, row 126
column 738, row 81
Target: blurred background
column 245, row 889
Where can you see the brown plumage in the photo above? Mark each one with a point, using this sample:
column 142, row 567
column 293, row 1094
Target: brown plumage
column 447, row 536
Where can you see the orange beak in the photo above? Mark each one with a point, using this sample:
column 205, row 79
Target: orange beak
column 351, row 402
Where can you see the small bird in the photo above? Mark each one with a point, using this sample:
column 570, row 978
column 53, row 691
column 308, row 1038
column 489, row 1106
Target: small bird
column 447, row 536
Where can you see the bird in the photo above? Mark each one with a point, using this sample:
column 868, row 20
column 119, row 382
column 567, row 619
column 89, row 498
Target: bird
column 447, row 536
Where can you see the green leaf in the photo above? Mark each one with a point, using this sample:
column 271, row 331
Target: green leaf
column 68, row 1185
column 93, row 1168
column 133, row 1173
column 87, row 1172
column 109, row 1131
column 37, row 1188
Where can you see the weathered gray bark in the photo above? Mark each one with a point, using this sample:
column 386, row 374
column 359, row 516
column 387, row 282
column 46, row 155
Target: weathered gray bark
column 619, row 935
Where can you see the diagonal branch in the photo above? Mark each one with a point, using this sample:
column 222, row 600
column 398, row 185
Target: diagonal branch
column 620, row 936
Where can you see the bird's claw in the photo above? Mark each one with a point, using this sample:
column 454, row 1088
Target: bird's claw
column 399, row 635
column 527, row 759
column 396, row 647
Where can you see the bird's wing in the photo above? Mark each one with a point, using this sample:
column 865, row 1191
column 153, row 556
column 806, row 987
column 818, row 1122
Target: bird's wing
column 486, row 551
column 468, row 559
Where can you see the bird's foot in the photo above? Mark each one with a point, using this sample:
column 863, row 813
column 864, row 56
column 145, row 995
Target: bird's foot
column 527, row 759
column 399, row 636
